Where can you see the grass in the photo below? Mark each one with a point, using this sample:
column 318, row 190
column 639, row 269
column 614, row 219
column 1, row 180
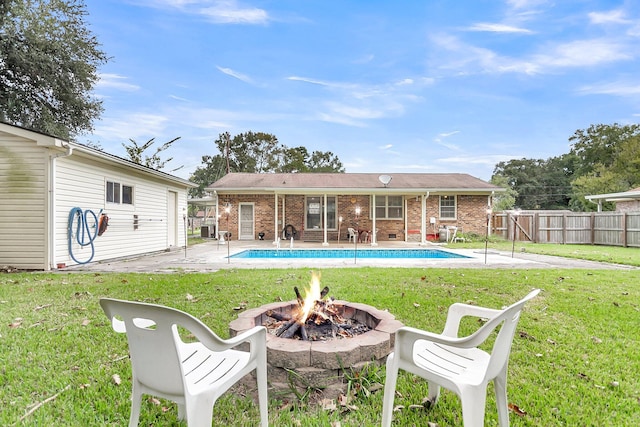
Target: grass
column 573, row 363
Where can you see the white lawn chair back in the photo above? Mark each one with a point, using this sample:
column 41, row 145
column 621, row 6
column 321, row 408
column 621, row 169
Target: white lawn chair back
column 191, row 374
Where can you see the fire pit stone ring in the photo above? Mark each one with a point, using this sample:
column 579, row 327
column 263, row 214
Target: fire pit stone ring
column 321, row 363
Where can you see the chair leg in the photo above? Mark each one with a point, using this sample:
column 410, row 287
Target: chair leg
column 263, row 402
column 473, row 401
column 434, row 393
column 136, row 401
column 500, row 386
column 199, row 410
column 182, row 412
column 389, row 391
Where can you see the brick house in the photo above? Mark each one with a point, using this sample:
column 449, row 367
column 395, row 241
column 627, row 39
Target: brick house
column 320, row 207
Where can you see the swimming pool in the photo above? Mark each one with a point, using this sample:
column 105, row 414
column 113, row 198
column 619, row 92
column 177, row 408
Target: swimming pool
column 346, row 253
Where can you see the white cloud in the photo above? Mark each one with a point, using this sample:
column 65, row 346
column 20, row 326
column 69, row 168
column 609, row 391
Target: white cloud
column 132, row 125
column 525, row 4
column 469, row 59
column 216, row 11
column 311, row 81
column 616, row 16
column 228, row 12
column 237, row 75
column 584, row 53
column 489, row 160
column 116, row 81
column 498, row 28
column 615, row 88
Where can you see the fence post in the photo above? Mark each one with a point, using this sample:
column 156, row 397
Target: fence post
column 624, row 229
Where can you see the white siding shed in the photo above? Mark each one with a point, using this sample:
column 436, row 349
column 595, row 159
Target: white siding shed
column 43, row 180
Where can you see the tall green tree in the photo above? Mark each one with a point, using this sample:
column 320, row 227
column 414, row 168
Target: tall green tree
column 213, row 168
column 255, row 152
column 599, row 145
column 537, row 183
column 259, row 152
column 49, row 62
column 298, row 159
column 324, row 161
column 136, row 154
column 504, row 200
column 620, row 173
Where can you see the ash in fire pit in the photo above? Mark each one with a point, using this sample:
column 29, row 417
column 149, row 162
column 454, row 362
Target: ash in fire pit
column 314, row 319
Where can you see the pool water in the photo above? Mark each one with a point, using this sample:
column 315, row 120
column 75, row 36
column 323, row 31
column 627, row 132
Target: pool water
column 346, row 253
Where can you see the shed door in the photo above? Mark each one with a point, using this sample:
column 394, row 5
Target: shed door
column 246, row 225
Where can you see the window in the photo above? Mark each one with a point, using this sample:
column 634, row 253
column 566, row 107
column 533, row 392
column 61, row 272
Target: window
column 315, row 212
column 388, row 207
column 119, row 193
column 447, row 207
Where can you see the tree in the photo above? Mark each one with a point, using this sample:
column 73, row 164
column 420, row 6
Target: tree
column 622, row 174
column 136, row 152
column 249, row 152
column 298, row 160
column 259, row 152
column 48, row 66
column 504, row 200
column 213, row 169
column 537, row 183
column 324, row 162
column 599, row 145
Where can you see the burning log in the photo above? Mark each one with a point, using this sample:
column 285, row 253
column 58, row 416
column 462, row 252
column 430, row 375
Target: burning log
column 316, row 317
column 299, row 296
column 303, row 333
column 277, row 315
column 291, row 330
column 324, row 292
column 282, row 329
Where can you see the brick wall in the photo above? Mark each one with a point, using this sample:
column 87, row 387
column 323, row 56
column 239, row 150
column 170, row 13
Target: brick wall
column 471, row 216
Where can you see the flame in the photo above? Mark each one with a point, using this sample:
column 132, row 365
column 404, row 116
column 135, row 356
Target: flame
column 312, row 295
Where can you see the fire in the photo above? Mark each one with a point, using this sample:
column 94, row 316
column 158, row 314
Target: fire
column 312, row 295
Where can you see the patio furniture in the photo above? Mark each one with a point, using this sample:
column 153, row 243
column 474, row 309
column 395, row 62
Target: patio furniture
column 192, row 374
column 353, row 235
column 457, row 363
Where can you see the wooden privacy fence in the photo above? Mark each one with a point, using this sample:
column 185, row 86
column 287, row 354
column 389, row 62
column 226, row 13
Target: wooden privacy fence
column 591, row 228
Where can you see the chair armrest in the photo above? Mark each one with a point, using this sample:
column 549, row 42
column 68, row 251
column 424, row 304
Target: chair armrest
column 407, row 336
column 256, row 337
column 459, row 310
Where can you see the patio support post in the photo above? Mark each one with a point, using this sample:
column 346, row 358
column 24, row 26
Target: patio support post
column 275, row 218
column 324, row 219
column 374, row 234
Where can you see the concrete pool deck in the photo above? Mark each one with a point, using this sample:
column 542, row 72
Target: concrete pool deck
column 211, row 256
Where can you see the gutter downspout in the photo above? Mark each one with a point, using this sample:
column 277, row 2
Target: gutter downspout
column 52, row 205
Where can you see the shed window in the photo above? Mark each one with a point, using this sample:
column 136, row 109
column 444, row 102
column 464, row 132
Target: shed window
column 447, row 207
column 119, row 193
column 388, row 207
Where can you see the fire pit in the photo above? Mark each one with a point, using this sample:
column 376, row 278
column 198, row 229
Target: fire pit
column 313, row 341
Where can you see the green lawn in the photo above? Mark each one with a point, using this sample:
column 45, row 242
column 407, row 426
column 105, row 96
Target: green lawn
column 574, row 361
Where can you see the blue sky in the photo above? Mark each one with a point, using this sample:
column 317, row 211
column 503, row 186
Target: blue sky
column 388, row 86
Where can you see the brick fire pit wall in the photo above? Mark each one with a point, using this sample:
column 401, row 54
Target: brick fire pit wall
column 318, row 363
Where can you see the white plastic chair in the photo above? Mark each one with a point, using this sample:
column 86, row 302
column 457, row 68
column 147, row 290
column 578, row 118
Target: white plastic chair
column 194, row 375
column 456, row 363
column 353, row 234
